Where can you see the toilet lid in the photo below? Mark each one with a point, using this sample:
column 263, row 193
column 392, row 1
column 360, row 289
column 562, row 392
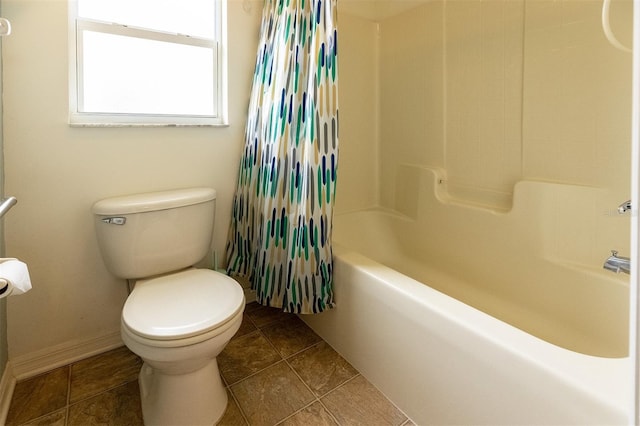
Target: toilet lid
column 182, row 305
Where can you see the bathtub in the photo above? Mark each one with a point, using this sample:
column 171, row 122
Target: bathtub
column 447, row 350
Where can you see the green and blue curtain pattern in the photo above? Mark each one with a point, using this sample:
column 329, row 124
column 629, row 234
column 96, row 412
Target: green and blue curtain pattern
column 280, row 233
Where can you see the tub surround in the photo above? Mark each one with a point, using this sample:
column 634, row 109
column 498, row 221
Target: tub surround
column 534, row 266
column 459, row 295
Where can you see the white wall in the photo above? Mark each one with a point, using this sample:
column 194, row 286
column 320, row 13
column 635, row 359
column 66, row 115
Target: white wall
column 58, row 172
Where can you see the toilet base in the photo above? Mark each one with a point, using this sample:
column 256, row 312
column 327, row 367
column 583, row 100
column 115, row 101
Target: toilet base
column 195, row 398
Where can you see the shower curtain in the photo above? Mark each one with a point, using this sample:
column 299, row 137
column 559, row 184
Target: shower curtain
column 280, row 233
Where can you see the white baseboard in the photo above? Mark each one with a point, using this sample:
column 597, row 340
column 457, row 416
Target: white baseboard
column 48, row 359
column 7, row 385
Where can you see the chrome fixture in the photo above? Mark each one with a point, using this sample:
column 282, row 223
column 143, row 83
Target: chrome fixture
column 115, row 220
column 624, row 207
column 6, row 204
column 5, row 27
column 617, row 263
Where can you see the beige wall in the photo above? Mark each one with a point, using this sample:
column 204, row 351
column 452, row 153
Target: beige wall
column 57, row 172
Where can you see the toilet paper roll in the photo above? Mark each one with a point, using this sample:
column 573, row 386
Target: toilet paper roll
column 14, row 277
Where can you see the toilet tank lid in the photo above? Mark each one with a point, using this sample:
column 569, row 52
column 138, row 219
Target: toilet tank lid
column 153, row 201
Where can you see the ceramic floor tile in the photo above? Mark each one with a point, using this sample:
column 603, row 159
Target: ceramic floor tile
column 119, row 406
column 313, row 415
column 271, row 395
column 246, row 326
column 57, row 418
column 232, row 416
column 322, row 368
column 252, row 306
column 358, row 402
column 265, row 388
column 290, row 336
column 246, row 355
column 37, row 396
column 264, row 315
column 102, row 372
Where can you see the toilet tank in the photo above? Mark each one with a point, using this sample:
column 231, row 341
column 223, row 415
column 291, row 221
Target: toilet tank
column 148, row 234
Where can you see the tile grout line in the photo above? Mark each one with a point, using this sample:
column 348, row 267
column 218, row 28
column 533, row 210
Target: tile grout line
column 233, row 395
column 313, row 394
column 316, row 397
column 105, row 390
column 407, row 418
column 259, row 331
column 65, row 407
column 227, row 387
column 296, row 412
column 286, row 360
column 282, row 359
column 302, row 350
column 242, row 413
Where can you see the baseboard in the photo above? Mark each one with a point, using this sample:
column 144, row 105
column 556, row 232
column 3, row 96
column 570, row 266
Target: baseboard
column 249, row 295
column 7, row 385
column 48, row 359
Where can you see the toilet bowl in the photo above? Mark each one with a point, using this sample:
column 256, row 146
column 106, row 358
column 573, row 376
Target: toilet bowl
column 178, row 324
column 177, row 318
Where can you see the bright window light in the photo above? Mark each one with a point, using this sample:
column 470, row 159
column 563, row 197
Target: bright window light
column 141, row 62
column 193, row 17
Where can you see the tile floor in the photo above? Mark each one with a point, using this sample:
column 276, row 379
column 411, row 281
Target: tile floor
column 277, row 371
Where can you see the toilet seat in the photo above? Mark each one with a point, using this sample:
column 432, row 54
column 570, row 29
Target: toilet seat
column 187, row 306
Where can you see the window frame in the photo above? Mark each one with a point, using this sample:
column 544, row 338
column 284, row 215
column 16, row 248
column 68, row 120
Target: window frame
column 77, row 118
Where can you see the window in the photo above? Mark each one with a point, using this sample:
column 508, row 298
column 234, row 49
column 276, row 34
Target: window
column 147, row 62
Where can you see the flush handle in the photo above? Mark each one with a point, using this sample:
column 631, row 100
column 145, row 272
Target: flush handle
column 117, row 220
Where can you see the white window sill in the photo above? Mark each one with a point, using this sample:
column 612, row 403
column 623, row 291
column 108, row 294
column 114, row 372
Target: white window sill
column 142, row 120
column 145, row 125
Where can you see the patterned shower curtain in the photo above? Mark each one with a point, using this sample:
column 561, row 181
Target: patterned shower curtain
column 280, row 233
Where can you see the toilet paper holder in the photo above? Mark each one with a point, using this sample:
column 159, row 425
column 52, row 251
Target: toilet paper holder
column 4, row 286
column 14, row 277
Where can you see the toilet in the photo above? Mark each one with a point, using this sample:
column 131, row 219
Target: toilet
column 177, row 318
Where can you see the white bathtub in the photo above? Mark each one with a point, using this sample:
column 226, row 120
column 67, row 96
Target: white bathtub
column 443, row 361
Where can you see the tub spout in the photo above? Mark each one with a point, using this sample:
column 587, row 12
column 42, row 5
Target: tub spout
column 617, row 263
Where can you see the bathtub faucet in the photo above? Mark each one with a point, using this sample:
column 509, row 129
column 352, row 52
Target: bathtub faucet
column 617, row 263
column 624, row 207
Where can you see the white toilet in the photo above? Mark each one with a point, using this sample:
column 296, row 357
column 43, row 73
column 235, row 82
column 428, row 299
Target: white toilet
column 177, row 318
